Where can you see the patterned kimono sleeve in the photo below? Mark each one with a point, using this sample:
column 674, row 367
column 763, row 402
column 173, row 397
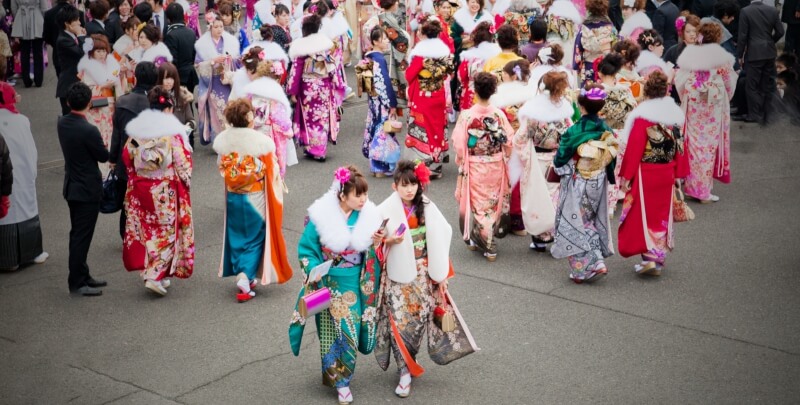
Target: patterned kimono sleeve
column 295, row 77
column 729, row 77
column 463, row 73
column 241, row 171
column 460, row 138
column 182, row 160
column 243, row 41
column 389, row 97
column 204, row 68
column 520, row 139
column 309, row 249
column 281, row 121
column 509, row 131
column 412, row 73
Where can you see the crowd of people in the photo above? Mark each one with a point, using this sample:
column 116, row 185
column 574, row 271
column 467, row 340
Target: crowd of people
column 560, row 113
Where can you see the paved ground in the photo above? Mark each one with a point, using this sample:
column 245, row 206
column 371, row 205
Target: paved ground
column 720, row 326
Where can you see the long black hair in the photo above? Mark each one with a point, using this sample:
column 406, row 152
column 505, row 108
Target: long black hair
column 405, row 173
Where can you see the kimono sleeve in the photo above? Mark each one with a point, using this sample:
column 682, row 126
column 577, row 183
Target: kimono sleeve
column 637, row 142
column 565, row 149
column 578, row 61
column 309, row 250
column 295, row 77
column 460, row 137
column 281, row 121
column 413, row 70
column 730, row 78
column 390, row 94
column 520, row 139
column 508, row 130
column 455, row 32
column 463, row 73
column 182, row 160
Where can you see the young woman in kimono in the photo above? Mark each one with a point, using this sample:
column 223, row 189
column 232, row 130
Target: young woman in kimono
column 431, row 63
column 585, row 161
column 400, row 40
column 652, row 46
column 335, row 27
column 654, row 161
column 231, row 25
column 272, row 51
column 270, row 105
column 563, row 23
column 417, row 264
column 151, row 48
column 482, row 139
column 636, row 21
column 169, row 80
column 124, row 46
column 518, row 14
column 550, row 59
column 465, row 20
column 627, row 75
column 511, row 94
column 101, row 72
column 159, row 236
column 253, row 248
column 313, row 82
column 216, row 50
column 380, row 147
column 705, row 82
column 543, row 121
column 472, row 61
column 342, row 228
column 281, row 34
column 596, row 38
column 508, row 40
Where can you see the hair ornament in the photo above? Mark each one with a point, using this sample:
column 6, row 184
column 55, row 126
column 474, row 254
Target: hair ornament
column 492, row 29
column 257, row 35
column 211, row 16
column 545, row 54
column 313, row 9
column 518, row 72
column 423, row 174
column 531, row 19
column 629, row 3
column 342, row 175
column 680, row 22
column 595, row 93
column 262, row 55
column 88, row 45
column 648, row 39
column 140, row 26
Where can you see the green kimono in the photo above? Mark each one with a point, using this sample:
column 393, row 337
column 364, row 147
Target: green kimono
column 349, row 324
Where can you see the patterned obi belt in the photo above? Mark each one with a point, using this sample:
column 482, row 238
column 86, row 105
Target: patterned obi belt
column 343, row 261
column 255, row 187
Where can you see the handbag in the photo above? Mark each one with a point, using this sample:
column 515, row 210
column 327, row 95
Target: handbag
column 446, row 347
column 392, row 126
column 110, row 201
column 551, row 176
column 100, row 102
column 442, row 314
column 680, row 210
column 314, row 302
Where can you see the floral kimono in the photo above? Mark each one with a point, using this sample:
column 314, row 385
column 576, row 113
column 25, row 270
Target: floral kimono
column 213, row 92
column 273, row 118
column 654, row 158
column 619, row 103
column 349, row 325
column 585, row 162
column 706, row 82
column 431, row 63
column 542, row 123
column 120, row 50
column 380, row 147
column 314, row 80
column 414, row 270
column 563, row 23
column 517, row 13
column 482, row 139
column 400, row 41
column 633, row 81
column 472, row 61
column 635, row 25
column 159, row 236
column 596, row 38
column 337, row 29
column 276, row 54
column 253, row 238
column 96, row 74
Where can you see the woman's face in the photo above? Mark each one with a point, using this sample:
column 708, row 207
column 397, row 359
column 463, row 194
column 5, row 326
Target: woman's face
column 780, row 67
column 100, row 54
column 353, row 201
column 283, row 19
column 227, row 19
column 382, row 44
column 216, row 29
column 168, row 83
column 474, row 6
column 627, row 12
column 690, row 34
column 406, row 191
column 444, row 10
column 144, row 42
column 124, row 8
column 657, row 49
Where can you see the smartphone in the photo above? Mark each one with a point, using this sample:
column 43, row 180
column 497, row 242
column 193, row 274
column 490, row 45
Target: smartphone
column 383, row 224
column 400, row 230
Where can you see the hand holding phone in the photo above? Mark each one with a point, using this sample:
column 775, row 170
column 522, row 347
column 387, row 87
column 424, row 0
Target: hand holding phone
column 400, row 230
column 383, row 224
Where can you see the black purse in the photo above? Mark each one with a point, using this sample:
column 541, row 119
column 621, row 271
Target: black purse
column 110, row 203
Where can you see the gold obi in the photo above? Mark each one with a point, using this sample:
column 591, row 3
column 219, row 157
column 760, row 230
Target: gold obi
column 365, row 78
column 596, row 155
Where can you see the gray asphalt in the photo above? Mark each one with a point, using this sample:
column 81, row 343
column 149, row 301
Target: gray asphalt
column 720, row 326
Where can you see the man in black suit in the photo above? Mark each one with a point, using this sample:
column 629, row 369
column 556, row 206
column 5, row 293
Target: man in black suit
column 159, row 16
column 664, row 22
column 791, row 16
column 180, row 41
column 760, row 28
column 127, row 108
column 83, row 148
column 70, row 52
column 101, row 24
column 52, row 28
column 113, row 23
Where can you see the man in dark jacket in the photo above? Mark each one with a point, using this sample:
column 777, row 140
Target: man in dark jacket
column 6, row 177
column 101, row 24
column 791, row 16
column 127, row 108
column 180, row 41
column 664, row 22
column 83, row 148
column 52, row 28
column 760, row 28
column 70, row 52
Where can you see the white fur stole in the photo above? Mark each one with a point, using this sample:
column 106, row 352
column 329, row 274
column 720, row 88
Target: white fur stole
column 658, row 110
column 327, row 216
column 244, row 141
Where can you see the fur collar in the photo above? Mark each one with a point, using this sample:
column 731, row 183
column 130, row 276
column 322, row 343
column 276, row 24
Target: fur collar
column 314, row 43
column 154, row 124
column 332, row 227
column 334, row 27
column 207, row 50
column 122, row 44
column 272, row 51
column 500, row 7
column 542, row 109
column 264, row 12
column 430, row 48
column 658, row 110
column 637, row 20
column 269, row 89
column 648, row 60
column 156, row 51
column 100, row 73
column 238, row 83
column 704, row 57
column 565, row 9
column 467, row 22
column 511, row 93
column 484, row 51
column 539, row 71
column 244, row 141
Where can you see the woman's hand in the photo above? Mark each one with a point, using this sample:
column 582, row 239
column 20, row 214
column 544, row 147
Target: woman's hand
column 377, row 237
column 393, row 113
column 625, row 186
column 394, row 240
column 220, row 59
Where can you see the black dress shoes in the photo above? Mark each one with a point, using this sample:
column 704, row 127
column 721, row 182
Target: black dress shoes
column 87, row 291
column 94, row 283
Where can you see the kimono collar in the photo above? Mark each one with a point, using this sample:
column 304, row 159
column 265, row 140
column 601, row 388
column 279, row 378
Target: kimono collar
column 269, row 89
column 314, row 43
column 430, row 48
column 657, row 110
column 100, row 72
column 705, row 57
column 511, row 93
column 468, row 22
column 565, row 9
column 208, row 50
column 332, row 227
column 541, row 108
column 154, row 124
column 244, row 141
column 9, row 99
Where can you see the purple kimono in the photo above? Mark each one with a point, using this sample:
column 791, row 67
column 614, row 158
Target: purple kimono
column 213, row 92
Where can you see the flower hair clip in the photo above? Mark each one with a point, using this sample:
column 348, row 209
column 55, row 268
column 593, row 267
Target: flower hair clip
column 423, row 174
column 492, row 29
column 262, row 55
column 313, row 9
column 211, row 17
column 518, row 72
column 140, row 26
column 595, row 93
column 545, row 54
column 342, row 175
column 531, row 19
column 680, row 22
column 165, row 101
column 88, row 45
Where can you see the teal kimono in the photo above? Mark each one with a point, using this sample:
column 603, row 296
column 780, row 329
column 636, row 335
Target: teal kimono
column 354, row 279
